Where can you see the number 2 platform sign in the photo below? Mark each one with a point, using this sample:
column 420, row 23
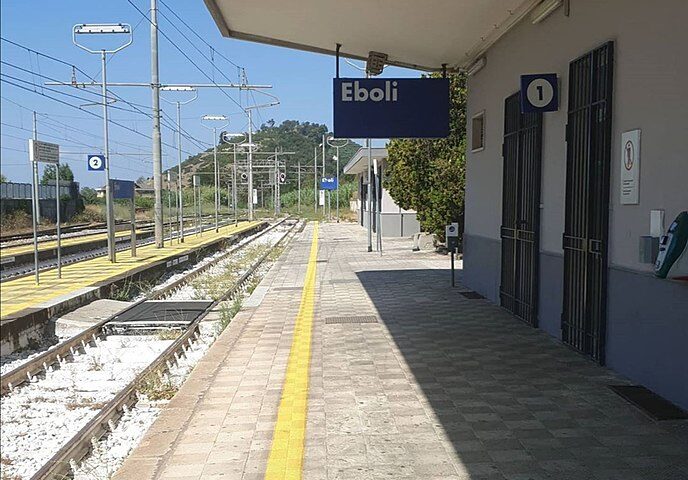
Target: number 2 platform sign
column 539, row 93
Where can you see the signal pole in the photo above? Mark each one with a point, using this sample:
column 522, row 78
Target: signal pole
column 315, row 179
column 157, row 141
column 298, row 168
column 250, row 165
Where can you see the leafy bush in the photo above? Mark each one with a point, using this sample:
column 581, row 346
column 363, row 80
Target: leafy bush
column 90, row 196
column 428, row 175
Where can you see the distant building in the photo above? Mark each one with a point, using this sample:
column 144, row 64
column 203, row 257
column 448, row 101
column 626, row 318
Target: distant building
column 394, row 220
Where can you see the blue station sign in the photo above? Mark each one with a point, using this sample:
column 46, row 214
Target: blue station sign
column 328, row 183
column 96, row 162
column 391, row 107
column 122, row 189
column 539, row 93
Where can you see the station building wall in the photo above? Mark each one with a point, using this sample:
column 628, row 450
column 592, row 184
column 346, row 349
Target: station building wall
column 647, row 318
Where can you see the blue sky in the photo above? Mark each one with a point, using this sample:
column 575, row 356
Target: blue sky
column 302, row 81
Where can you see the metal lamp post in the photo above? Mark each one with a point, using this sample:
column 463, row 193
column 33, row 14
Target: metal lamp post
column 227, row 137
column 337, row 146
column 250, row 146
column 106, row 29
column 180, row 209
column 214, row 128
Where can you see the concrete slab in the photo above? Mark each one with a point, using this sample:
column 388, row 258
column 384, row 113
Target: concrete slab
column 88, row 315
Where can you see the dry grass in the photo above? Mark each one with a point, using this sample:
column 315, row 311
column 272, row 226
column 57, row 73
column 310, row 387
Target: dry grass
column 219, row 283
column 155, row 388
column 168, row 334
column 85, row 403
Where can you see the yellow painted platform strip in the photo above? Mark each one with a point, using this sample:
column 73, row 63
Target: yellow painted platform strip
column 286, row 454
column 16, row 295
column 51, row 244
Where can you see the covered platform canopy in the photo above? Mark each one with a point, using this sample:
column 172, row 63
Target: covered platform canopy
column 359, row 162
column 421, row 35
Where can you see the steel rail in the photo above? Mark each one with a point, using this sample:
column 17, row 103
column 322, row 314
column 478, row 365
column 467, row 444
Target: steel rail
column 78, row 447
column 68, row 348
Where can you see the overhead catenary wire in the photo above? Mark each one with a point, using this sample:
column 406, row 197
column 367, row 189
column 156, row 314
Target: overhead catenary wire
column 83, row 110
column 179, row 49
column 136, row 108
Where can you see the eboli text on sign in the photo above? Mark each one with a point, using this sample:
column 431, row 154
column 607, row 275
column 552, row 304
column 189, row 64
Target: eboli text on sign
column 353, row 92
column 391, row 107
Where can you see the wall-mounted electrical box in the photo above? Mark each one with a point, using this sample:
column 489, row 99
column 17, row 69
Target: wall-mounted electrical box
column 648, row 249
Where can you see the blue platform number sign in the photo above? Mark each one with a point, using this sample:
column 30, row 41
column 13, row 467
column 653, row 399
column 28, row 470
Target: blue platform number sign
column 328, row 183
column 96, row 162
column 539, row 93
column 391, row 107
column 123, row 189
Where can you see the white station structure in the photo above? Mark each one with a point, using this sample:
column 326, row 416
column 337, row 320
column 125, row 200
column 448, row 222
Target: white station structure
column 565, row 202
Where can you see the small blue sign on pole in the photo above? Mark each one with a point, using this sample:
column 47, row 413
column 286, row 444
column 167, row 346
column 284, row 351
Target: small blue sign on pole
column 96, row 162
column 539, row 93
column 391, row 107
column 328, row 183
column 123, row 189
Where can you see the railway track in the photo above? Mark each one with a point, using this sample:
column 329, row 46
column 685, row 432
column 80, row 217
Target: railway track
column 78, row 447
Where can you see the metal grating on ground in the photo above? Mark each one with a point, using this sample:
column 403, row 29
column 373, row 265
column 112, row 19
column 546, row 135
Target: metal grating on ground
column 472, row 295
column 351, row 319
column 160, row 314
column 345, row 280
column 649, row 402
column 287, row 289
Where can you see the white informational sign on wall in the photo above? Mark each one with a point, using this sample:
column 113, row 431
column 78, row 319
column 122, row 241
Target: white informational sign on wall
column 630, row 167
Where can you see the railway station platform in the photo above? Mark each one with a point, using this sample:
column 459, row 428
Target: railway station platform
column 345, row 364
column 23, row 301
column 19, row 254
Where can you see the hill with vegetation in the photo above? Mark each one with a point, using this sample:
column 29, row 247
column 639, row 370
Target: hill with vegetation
column 289, row 136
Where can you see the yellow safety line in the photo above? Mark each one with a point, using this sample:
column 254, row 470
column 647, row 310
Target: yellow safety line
column 286, row 454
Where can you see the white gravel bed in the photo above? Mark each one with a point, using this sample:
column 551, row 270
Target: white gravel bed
column 187, row 291
column 111, row 451
column 38, row 418
column 13, row 360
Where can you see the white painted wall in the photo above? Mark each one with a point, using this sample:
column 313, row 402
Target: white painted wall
column 650, row 93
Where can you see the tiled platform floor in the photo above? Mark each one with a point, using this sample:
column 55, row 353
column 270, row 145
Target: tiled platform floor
column 443, row 387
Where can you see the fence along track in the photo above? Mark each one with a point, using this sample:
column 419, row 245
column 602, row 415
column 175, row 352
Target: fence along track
column 70, row 347
column 74, row 450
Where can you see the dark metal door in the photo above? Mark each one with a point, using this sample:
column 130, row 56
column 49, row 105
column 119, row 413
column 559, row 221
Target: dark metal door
column 588, row 157
column 520, row 231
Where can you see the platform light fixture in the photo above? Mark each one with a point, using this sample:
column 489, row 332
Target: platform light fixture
column 476, row 66
column 90, row 28
column 214, row 117
column 544, row 10
column 215, row 128
column 375, row 63
column 179, row 103
column 107, row 29
column 178, row 88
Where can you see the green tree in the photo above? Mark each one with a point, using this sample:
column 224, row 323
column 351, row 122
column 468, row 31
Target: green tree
column 89, row 195
column 49, row 174
column 3, row 179
column 428, row 175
